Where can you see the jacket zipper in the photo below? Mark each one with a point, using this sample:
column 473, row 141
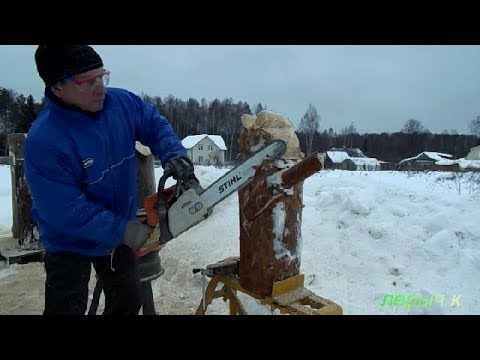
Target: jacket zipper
column 107, row 148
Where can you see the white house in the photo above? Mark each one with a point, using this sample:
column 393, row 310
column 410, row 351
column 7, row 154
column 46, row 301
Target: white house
column 352, row 159
column 205, row 149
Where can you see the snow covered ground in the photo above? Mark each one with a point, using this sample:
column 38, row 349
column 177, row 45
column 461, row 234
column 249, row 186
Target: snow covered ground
column 367, row 237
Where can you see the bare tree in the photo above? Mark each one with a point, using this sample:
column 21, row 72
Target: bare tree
column 413, row 126
column 309, row 126
column 350, row 129
column 475, row 126
column 450, row 132
column 260, row 108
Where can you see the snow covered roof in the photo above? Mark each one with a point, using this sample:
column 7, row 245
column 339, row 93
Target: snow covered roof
column 192, row 140
column 435, row 156
column 365, row 161
column 339, row 156
column 352, row 152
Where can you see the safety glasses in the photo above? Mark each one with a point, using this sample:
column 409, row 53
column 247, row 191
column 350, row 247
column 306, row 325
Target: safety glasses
column 91, row 81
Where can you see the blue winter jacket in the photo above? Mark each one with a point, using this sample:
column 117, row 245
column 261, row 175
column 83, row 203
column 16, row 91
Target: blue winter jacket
column 81, row 170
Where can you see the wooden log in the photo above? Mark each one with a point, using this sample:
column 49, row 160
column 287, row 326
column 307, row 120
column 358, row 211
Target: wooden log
column 270, row 210
column 149, row 265
column 145, row 174
column 24, row 228
column 269, row 233
column 307, row 167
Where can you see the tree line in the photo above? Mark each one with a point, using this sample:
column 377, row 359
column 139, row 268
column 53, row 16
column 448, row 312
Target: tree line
column 411, row 140
column 222, row 117
column 17, row 113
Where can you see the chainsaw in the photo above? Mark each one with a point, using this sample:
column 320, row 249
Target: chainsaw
column 174, row 210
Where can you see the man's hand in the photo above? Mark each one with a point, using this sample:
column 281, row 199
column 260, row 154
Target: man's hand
column 136, row 234
column 180, row 168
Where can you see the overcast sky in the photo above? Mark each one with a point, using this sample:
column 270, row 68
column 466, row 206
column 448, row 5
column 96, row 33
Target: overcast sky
column 378, row 88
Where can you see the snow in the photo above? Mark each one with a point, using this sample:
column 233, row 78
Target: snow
column 445, row 162
column 192, row 140
column 367, row 163
column 472, row 164
column 279, row 230
column 366, row 237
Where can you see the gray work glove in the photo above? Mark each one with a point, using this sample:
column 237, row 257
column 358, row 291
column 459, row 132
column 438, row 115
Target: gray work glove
column 136, row 234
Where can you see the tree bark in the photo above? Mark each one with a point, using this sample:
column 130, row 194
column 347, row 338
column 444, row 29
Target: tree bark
column 270, row 233
column 23, row 227
column 270, row 227
column 149, row 265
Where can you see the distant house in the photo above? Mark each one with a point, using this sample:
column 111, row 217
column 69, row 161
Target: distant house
column 205, row 149
column 473, row 154
column 436, row 161
column 352, row 152
column 429, row 158
column 351, row 159
column 431, row 161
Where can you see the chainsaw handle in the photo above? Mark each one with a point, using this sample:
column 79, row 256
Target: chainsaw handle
column 162, row 207
column 161, row 185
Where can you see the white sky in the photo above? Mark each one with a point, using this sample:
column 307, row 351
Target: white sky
column 362, row 232
column 378, row 88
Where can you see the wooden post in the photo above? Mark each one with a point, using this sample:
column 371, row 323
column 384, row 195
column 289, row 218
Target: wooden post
column 270, row 211
column 24, row 229
column 145, row 174
column 149, row 265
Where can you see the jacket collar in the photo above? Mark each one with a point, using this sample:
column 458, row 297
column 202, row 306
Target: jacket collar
column 54, row 99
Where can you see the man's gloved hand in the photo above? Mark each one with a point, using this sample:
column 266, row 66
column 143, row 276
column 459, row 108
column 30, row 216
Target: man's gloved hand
column 180, row 167
column 136, row 234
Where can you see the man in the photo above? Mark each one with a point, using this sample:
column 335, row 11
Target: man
column 80, row 167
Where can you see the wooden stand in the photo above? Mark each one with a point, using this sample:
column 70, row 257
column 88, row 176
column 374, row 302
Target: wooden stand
column 289, row 296
column 20, row 256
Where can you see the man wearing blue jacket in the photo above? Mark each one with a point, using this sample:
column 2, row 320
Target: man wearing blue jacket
column 80, row 166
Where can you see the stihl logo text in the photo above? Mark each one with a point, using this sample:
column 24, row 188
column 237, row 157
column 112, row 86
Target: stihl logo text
column 229, row 183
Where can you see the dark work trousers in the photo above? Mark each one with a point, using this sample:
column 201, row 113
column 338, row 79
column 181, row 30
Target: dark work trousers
column 68, row 275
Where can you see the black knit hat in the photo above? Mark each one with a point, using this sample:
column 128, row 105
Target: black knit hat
column 57, row 62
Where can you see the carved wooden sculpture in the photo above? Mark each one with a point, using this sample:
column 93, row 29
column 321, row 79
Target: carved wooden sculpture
column 271, row 206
